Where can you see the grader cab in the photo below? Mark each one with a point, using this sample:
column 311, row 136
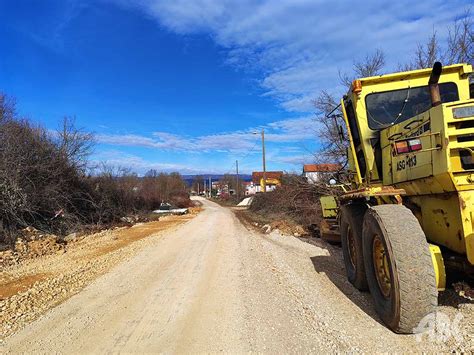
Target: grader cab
column 409, row 210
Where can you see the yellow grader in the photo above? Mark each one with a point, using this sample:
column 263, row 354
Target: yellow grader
column 409, row 211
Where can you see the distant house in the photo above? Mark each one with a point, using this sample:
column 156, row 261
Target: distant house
column 273, row 179
column 250, row 188
column 317, row 172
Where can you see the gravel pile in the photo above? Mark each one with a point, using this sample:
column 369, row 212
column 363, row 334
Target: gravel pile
column 32, row 244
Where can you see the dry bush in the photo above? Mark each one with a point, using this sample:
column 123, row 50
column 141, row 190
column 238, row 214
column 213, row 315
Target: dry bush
column 181, row 200
column 43, row 181
column 40, row 183
column 119, row 192
column 161, row 187
column 295, row 198
column 112, row 194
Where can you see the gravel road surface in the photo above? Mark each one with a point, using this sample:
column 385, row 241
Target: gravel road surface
column 213, row 285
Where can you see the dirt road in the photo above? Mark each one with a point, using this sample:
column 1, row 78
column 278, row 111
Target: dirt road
column 213, row 285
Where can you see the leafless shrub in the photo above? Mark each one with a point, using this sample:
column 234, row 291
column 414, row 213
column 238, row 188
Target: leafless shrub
column 296, row 198
column 7, row 107
column 38, row 182
column 43, row 180
column 75, row 144
column 161, row 187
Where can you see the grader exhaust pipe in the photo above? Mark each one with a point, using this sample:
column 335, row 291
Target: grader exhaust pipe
column 433, row 84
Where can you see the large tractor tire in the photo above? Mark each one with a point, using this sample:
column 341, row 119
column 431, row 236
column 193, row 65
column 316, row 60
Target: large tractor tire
column 352, row 217
column 399, row 268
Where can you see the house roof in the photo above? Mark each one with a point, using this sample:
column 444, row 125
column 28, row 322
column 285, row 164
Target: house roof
column 316, row 168
column 257, row 175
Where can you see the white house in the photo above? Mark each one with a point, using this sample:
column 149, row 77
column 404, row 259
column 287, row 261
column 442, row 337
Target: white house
column 317, row 172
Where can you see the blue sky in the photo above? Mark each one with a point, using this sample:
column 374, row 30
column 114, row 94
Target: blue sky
column 181, row 85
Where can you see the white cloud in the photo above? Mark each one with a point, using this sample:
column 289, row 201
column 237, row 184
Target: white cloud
column 298, row 46
column 297, row 160
column 126, row 140
column 139, row 165
column 284, row 131
column 292, row 130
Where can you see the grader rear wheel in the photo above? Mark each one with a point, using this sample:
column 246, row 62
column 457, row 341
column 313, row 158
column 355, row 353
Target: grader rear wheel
column 398, row 266
column 352, row 217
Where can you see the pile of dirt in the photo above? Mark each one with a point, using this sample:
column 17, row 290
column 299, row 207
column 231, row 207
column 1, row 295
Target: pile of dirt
column 31, row 244
column 287, row 227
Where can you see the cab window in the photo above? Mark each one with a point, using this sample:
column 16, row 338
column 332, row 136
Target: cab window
column 390, row 107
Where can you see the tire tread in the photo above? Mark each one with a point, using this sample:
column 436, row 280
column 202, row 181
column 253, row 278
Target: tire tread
column 416, row 275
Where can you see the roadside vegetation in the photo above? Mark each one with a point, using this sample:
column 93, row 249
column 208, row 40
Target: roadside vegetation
column 294, row 207
column 46, row 181
column 295, row 199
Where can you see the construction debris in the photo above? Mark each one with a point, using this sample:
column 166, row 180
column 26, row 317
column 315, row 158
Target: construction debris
column 246, row 202
column 167, row 209
column 464, row 290
column 175, row 211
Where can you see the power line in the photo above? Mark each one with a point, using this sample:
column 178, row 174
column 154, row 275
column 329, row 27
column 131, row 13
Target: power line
column 242, row 158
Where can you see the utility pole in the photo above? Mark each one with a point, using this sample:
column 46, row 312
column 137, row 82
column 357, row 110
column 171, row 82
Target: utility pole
column 263, row 160
column 210, row 187
column 237, row 171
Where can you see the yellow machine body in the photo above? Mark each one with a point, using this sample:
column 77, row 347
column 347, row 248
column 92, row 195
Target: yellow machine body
column 329, row 206
column 269, row 181
column 424, row 161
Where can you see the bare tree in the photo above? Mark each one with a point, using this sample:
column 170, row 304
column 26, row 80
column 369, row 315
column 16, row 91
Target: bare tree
column 75, row 144
column 371, row 65
column 331, row 131
column 426, row 55
column 460, row 46
column 161, row 187
column 7, row 107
